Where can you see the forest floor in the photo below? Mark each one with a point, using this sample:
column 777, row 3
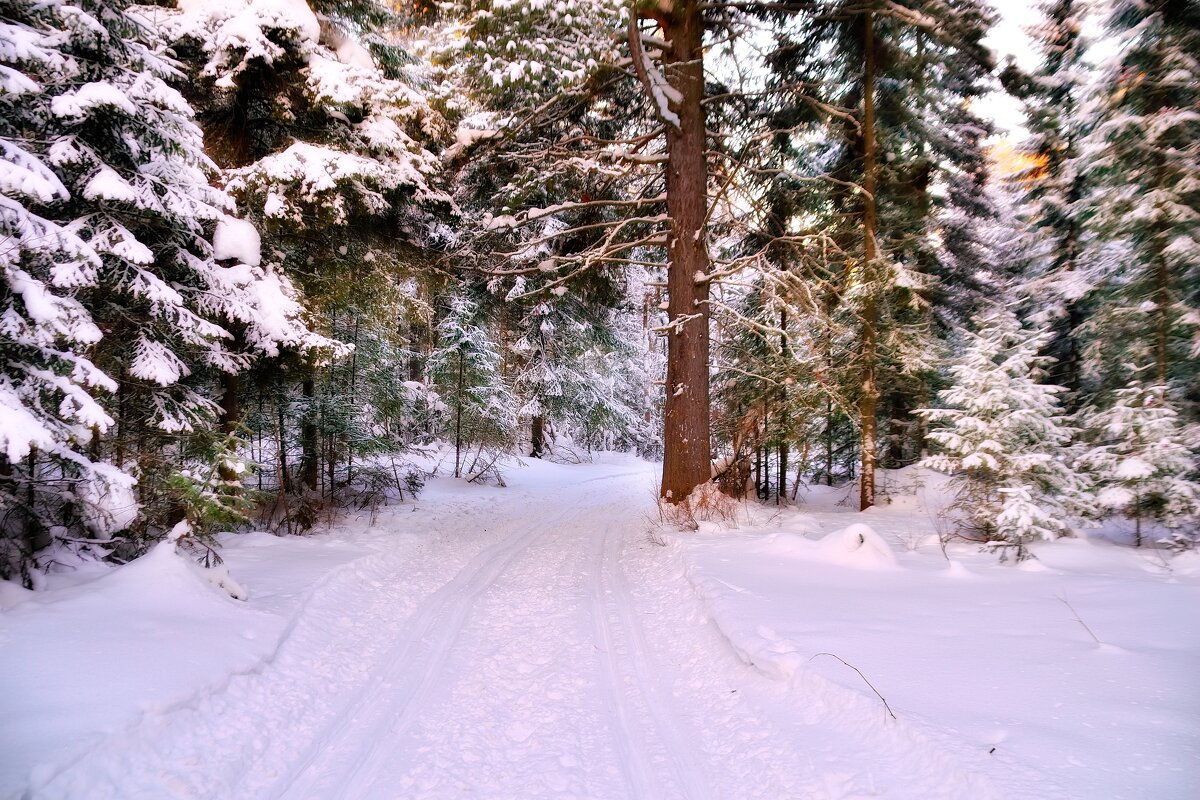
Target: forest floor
column 551, row 640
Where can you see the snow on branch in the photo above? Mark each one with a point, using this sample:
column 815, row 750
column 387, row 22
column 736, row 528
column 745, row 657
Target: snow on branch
column 655, row 82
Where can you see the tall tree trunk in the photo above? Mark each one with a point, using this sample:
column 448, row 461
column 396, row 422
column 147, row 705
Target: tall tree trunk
column 764, row 490
column 687, row 456
column 758, row 461
column 1162, row 314
column 122, row 421
column 537, row 437
column 416, row 350
column 285, row 478
column 353, row 401
column 870, row 313
column 830, row 304
column 829, row 441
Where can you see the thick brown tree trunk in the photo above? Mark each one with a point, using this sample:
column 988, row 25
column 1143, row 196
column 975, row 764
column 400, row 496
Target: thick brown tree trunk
column 870, row 313
column 686, row 457
column 537, row 437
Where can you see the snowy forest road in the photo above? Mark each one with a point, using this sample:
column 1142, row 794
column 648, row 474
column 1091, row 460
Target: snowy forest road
column 554, row 653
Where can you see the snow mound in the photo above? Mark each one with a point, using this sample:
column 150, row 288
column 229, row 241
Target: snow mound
column 237, row 239
column 123, row 630
column 856, row 546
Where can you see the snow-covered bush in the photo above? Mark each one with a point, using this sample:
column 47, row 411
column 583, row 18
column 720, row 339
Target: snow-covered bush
column 1003, row 437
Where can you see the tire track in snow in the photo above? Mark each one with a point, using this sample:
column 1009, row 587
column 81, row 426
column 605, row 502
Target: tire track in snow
column 626, row 663
column 380, row 712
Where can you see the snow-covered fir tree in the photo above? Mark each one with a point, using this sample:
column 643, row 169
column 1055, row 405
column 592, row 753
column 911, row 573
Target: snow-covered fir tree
column 1003, row 436
column 1142, row 164
column 1143, row 460
column 115, row 309
column 571, row 371
column 312, row 112
column 1055, row 282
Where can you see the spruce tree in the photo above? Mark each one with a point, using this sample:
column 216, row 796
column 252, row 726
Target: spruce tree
column 1003, row 436
column 877, row 140
column 1052, row 186
column 600, row 171
column 116, row 312
column 1143, row 460
column 1143, row 166
column 481, row 410
column 573, row 373
column 324, row 142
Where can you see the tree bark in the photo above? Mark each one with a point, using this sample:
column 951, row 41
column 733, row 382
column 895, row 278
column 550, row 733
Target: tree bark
column 537, row 437
column 1162, row 316
column 686, row 435
column 285, row 478
column 870, row 313
column 828, row 442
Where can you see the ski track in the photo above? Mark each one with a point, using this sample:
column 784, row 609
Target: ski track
column 336, row 763
column 629, row 671
column 559, row 653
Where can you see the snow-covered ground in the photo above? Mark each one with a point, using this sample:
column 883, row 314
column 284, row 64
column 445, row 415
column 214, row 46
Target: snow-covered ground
column 546, row 640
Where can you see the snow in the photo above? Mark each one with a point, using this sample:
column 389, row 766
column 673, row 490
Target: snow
column 108, row 185
column 242, row 25
column 153, row 361
column 237, row 239
column 1133, row 468
column 86, row 661
column 78, row 104
column 108, row 505
column 984, row 655
column 22, row 173
column 547, row 640
column 19, row 429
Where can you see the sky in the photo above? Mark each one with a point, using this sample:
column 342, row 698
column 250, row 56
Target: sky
column 1008, row 38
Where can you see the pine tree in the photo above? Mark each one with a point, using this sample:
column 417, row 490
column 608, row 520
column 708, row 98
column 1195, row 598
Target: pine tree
column 1002, row 435
column 875, row 134
column 599, row 172
column 1143, row 459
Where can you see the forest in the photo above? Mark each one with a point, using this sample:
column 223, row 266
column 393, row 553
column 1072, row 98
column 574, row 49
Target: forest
column 257, row 254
